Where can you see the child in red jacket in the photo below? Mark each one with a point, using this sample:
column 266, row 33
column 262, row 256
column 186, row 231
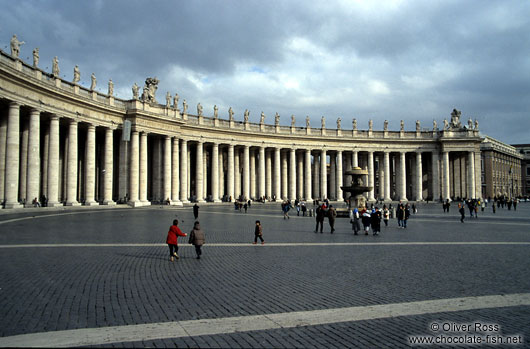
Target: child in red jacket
column 172, row 236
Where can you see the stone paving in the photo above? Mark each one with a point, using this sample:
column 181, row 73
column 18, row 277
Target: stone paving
column 48, row 286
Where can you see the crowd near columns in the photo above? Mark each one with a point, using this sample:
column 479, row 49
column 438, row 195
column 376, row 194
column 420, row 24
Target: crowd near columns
column 64, row 161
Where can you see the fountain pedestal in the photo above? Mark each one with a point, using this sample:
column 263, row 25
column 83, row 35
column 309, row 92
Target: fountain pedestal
column 356, row 188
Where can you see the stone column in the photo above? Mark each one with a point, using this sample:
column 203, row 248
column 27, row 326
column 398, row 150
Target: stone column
column 230, row 173
column 90, row 167
column 108, row 173
column 371, row 181
column 237, row 171
column 300, row 176
column 222, row 177
column 175, row 171
column 71, row 166
column 403, row 176
column 184, row 171
column 12, row 156
column 246, row 172
column 419, row 178
column 268, row 176
column 292, row 175
column 143, row 168
column 3, row 141
column 347, row 178
column 381, row 177
column 355, row 159
column 285, row 177
column 199, row 173
column 252, row 154
column 387, row 176
column 167, row 169
column 445, row 180
column 435, row 176
column 332, row 176
column 53, row 163
column 205, row 172
column 277, row 174
column 135, row 169
column 262, row 172
column 323, row 175
column 308, row 179
column 316, row 176
column 188, row 169
column 215, row 172
column 470, row 175
column 23, row 172
column 33, row 175
column 339, row 176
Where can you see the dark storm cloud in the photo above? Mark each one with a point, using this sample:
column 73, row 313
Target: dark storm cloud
column 410, row 60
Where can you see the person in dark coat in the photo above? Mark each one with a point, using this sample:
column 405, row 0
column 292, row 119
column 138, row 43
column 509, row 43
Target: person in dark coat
column 332, row 214
column 406, row 216
column 375, row 221
column 319, row 216
column 400, row 215
column 462, row 213
column 366, row 219
column 196, row 211
column 258, row 233
column 197, row 238
column 355, row 221
column 171, row 240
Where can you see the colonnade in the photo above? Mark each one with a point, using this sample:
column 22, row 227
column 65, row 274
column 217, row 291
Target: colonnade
column 70, row 162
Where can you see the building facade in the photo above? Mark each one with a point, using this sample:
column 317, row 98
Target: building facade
column 501, row 169
column 71, row 145
column 524, row 150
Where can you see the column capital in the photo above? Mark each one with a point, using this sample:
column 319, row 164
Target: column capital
column 14, row 104
column 92, row 127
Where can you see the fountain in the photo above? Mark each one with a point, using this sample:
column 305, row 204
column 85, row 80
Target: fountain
column 356, row 188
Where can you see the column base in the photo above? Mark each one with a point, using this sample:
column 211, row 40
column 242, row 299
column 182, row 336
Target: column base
column 55, row 204
column 92, row 203
column 184, row 201
column 217, row 201
column 202, row 201
column 135, row 203
column 73, row 203
column 13, row 205
column 146, row 203
column 176, row 203
column 109, row 203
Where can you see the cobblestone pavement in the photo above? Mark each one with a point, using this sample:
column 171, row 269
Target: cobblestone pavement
column 94, row 268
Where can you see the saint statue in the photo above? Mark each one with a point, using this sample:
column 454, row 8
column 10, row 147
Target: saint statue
column 168, row 100
column 434, row 125
column 15, row 46
column 135, row 89
column 55, row 67
column 245, row 116
column 111, row 87
column 455, row 118
column 385, row 127
column 418, row 126
column 262, row 118
column 184, row 107
column 292, row 120
column 323, row 122
column 176, row 101
column 470, row 124
column 199, row 109
column 370, row 125
column 402, row 125
column 77, row 75
column 93, row 83
column 215, row 112
column 446, row 124
column 476, row 124
column 307, row 122
column 230, row 114
column 354, row 124
column 36, row 57
column 277, row 119
column 338, row 123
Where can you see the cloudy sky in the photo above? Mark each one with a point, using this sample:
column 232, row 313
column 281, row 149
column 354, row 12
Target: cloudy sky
column 411, row 60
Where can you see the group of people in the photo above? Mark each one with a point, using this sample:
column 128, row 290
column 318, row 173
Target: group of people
column 197, row 238
column 369, row 218
column 321, row 213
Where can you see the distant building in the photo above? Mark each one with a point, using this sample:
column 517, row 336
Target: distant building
column 524, row 149
column 501, row 169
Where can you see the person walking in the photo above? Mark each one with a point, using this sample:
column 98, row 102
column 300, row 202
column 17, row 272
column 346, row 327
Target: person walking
column 366, row 219
column 332, row 214
column 386, row 215
column 286, row 207
column 375, row 221
column 171, row 240
column 462, row 213
column 245, row 206
column 196, row 211
column 197, row 238
column 400, row 215
column 319, row 216
column 258, row 233
column 355, row 221
column 406, row 216
column 493, row 207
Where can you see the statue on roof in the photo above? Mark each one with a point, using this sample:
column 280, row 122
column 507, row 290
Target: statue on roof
column 455, row 119
column 149, row 92
column 15, row 46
